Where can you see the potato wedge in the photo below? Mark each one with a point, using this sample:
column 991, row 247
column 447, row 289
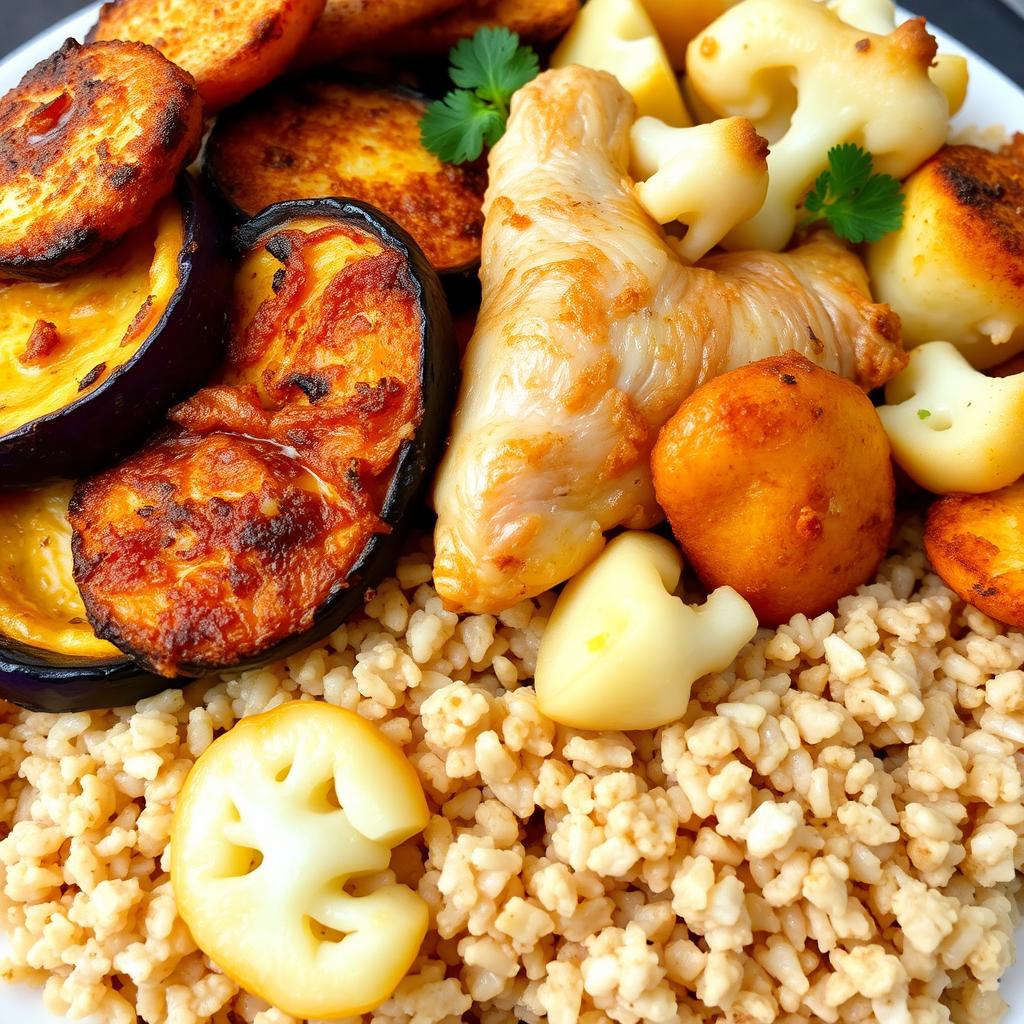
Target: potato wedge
column 322, row 137
column 536, row 21
column 232, row 48
column 777, row 481
column 975, row 542
column 93, row 137
column 353, row 27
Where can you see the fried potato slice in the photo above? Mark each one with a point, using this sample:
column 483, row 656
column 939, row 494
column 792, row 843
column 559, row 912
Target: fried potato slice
column 318, row 137
column 93, row 137
column 975, row 542
column 351, row 27
column 536, row 21
column 777, row 481
column 232, row 48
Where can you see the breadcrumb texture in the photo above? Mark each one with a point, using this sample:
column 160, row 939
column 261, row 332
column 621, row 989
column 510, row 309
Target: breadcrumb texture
column 830, row 833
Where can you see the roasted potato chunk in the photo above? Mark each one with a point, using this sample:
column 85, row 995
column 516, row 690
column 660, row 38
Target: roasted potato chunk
column 232, row 48
column 305, row 139
column 953, row 271
column 777, row 481
column 352, row 27
column 975, row 543
column 92, row 138
column 536, row 21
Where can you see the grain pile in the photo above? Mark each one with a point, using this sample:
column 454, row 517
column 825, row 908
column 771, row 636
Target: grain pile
column 831, row 833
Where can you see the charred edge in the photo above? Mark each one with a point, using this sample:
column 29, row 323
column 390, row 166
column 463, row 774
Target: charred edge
column 172, row 124
column 372, row 398
column 280, row 247
column 314, row 386
column 278, row 280
column 121, row 176
column 969, row 190
column 92, row 376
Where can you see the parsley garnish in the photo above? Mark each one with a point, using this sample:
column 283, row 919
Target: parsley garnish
column 488, row 68
column 858, row 205
column 923, row 414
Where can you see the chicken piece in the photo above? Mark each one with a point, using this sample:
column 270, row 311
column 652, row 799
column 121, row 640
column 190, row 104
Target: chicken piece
column 591, row 333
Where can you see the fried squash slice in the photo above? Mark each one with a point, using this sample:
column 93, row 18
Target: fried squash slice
column 322, row 137
column 93, row 137
column 267, row 504
column 975, row 542
column 232, row 47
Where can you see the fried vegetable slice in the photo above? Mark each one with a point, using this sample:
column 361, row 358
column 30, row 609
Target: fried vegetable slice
column 352, row 27
column 93, row 138
column 232, row 48
column 264, row 510
column 302, row 139
column 536, row 21
column 975, row 543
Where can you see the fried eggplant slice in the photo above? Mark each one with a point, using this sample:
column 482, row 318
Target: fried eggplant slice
column 252, row 526
column 93, row 137
column 536, row 21
column 353, row 27
column 321, row 137
column 232, row 48
column 975, row 543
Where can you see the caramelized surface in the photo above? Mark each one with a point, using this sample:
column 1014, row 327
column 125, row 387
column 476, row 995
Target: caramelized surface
column 229, row 532
column 39, row 602
column 231, row 48
column 92, row 138
column 59, row 341
column 301, row 140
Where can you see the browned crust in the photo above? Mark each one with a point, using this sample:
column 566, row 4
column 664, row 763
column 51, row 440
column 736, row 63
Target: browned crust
column 536, row 21
column 231, row 48
column 968, row 537
column 77, row 174
column 983, row 205
column 298, row 139
column 229, row 532
column 354, row 27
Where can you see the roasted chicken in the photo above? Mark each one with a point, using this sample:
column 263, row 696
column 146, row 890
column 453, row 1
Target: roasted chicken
column 592, row 332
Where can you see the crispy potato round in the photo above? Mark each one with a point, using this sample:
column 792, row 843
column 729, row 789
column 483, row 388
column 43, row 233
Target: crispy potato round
column 975, row 543
column 92, row 138
column 232, row 48
column 777, row 481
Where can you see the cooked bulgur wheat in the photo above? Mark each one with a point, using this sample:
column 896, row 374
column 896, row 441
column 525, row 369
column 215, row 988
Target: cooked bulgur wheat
column 831, row 833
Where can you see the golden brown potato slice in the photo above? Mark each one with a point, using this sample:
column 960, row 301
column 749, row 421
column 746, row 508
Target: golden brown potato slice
column 232, row 47
column 536, row 21
column 777, row 481
column 975, row 542
column 306, row 139
column 353, row 27
column 92, row 139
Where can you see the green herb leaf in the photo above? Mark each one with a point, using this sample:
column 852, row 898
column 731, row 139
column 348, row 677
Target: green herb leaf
column 858, row 205
column 923, row 414
column 490, row 67
column 456, row 128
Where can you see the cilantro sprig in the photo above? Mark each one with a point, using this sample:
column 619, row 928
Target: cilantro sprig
column 858, row 205
column 488, row 68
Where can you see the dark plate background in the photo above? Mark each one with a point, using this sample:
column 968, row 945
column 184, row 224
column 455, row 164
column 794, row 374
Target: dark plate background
column 986, row 26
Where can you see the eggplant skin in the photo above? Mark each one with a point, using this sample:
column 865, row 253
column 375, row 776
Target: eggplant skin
column 301, row 138
column 41, row 683
column 253, row 526
column 93, row 137
column 179, row 354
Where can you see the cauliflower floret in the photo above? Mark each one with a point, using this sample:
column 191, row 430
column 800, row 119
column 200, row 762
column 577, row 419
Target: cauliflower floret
column 952, row 428
column 809, row 81
column 951, row 271
column 617, row 36
column 671, row 165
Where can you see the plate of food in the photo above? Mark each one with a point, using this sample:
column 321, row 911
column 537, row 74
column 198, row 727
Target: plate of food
column 510, row 512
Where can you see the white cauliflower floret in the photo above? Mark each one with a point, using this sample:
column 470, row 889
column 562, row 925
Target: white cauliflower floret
column 671, row 165
column 951, row 427
column 850, row 86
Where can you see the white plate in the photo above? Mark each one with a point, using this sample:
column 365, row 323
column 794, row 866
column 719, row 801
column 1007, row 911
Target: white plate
column 992, row 99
